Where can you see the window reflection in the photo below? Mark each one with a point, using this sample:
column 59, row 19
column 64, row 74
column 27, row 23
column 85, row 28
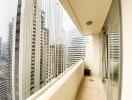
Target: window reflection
column 112, row 60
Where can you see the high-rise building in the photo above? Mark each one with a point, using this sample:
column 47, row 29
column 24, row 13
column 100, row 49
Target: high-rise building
column 60, row 59
column 76, row 47
column 4, row 51
column 3, row 69
column 0, row 46
column 3, row 89
column 42, row 77
column 49, row 63
column 38, row 46
column 6, row 56
column 47, row 55
column 49, row 58
column 60, row 62
column 26, row 73
column 9, row 58
column 114, row 39
column 54, row 23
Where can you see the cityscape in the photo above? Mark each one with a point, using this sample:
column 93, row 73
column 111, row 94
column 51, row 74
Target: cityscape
column 65, row 49
column 38, row 48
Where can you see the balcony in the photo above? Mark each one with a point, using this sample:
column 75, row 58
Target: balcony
column 72, row 85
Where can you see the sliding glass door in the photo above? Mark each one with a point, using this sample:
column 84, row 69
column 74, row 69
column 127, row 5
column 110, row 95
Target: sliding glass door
column 111, row 56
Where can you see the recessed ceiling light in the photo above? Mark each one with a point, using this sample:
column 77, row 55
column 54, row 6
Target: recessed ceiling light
column 89, row 22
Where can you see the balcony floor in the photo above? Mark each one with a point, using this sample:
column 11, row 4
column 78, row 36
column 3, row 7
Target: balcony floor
column 91, row 89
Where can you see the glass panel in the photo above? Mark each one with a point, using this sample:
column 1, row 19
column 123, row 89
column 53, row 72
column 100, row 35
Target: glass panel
column 112, row 36
column 114, row 50
column 38, row 42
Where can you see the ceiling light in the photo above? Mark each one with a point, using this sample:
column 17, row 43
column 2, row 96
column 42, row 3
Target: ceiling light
column 89, row 22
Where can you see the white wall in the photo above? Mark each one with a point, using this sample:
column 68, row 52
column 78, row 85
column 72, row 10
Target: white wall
column 96, row 53
column 93, row 54
column 89, row 53
column 126, row 6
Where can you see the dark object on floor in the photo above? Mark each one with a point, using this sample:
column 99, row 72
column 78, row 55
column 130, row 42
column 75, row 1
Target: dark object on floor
column 91, row 80
column 87, row 72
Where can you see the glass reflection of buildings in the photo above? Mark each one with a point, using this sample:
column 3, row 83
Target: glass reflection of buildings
column 76, row 47
column 38, row 56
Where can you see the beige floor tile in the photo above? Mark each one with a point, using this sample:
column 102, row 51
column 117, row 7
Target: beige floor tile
column 91, row 89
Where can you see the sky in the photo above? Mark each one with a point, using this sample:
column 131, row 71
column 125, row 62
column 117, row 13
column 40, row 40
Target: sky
column 8, row 11
column 67, row 22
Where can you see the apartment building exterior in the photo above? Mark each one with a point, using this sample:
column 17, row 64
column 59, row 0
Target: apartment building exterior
column 3, row 69
column 60, row 62
column 47, row 58
column 39, row 52
column 26, row 67
column 4, row 50
column 47, row 54
column 76, row 47
column 0, row 46
column 3, row 89
column 49, row 62
column 9, row 57
column 42, row 53
column 54, row 23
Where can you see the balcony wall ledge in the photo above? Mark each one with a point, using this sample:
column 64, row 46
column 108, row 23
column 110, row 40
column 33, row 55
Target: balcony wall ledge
column 65, row 87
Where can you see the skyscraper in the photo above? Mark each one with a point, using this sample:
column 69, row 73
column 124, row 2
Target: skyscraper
column 26, row 73
column 56, row 47
column 42, row 67
column 60, row 62
column 9, row 58
column 4, row 51
column 3, row 89
column 48, row 58
column 76, row 46
column 0, row 46
column 6, row 62
column 35, row 46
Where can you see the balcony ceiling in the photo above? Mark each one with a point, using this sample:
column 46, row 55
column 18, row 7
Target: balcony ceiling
column 82, row 11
